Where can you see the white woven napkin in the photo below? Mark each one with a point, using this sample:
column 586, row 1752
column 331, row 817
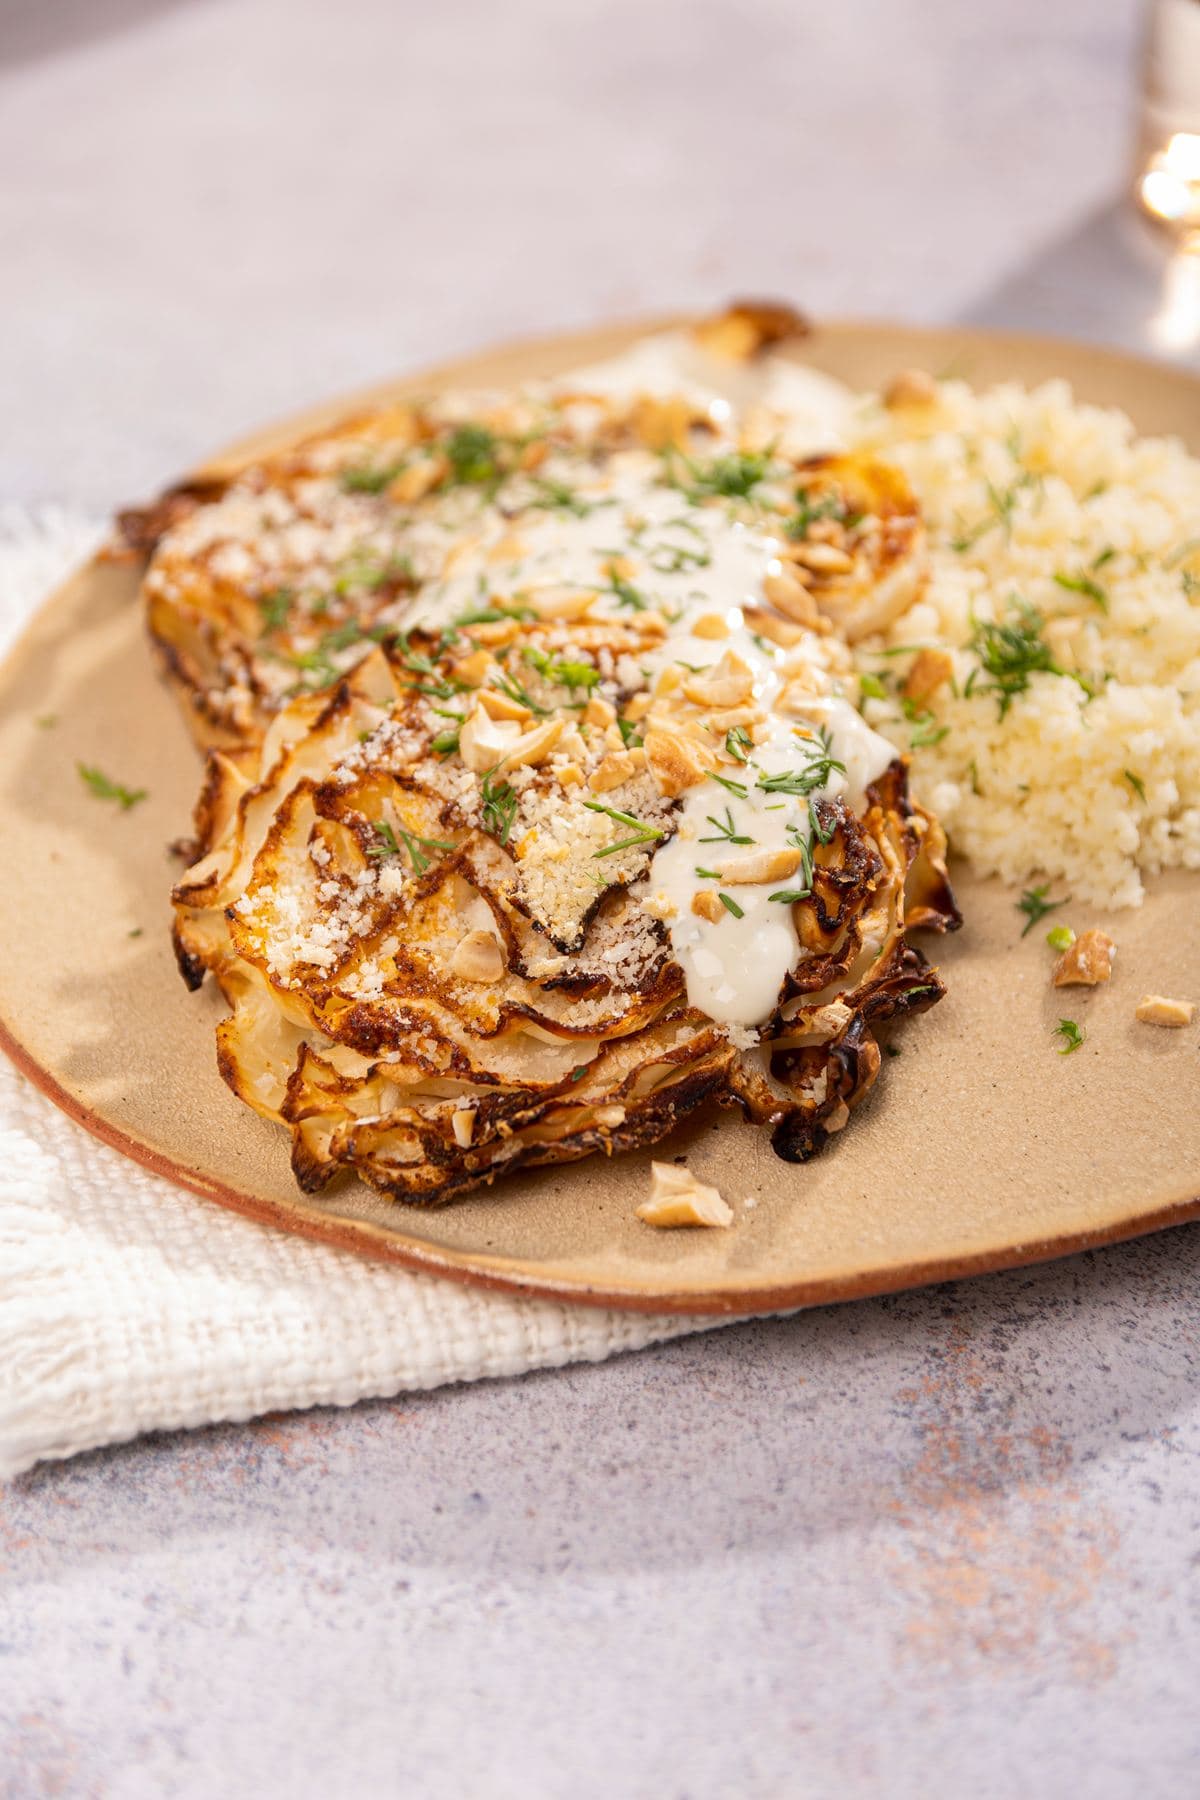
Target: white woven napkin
column 128, row 1305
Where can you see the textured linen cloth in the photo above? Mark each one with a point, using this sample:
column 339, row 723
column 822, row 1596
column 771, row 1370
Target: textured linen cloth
column 128, row 1305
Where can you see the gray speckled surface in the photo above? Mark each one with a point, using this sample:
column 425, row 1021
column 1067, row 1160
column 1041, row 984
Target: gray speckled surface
column 937, row 1545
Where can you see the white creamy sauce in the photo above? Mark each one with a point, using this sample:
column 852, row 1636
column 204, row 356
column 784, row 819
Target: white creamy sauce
column 735, row 966
column 685, row 561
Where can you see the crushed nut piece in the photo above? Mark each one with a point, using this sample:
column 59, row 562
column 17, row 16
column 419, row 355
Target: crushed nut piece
column 931, row 670
column 674, row 764
column 911, row 387
column 677, row 1198
column 1156, row 1009
column 710, row 625
column 608, row 1116
column 479, row 957
column 758, row 866
column 462, row 1124
column 618, row 767
column 822, row 559
column 1087, row 962
column 727, row 683
column 788, row 594
column 660, row 905
column 706, row 906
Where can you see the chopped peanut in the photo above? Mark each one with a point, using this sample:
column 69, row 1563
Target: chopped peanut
column 749, row 327
column 570, row 775
column 598, row 711
column 499, row 706
column 677, row 1198
column 419, row 479
column 788, row 594
column 706, row 906
column 660, row 905
column 1156, row 1009
column 775, row 630
column 659, row 423
column 710, row 625
column 473, row 668
column 674, row 764
column 560, row 603
column 483, row 741
column 823, row 559
column 931, row 670
column 462, row 1124
column 757, row 866
column 727, row 683
column 911, row 387
column 479, row 957
column 1086, row 962
column 618, row 767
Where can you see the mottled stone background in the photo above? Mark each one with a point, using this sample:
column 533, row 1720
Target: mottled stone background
column 940, row 1545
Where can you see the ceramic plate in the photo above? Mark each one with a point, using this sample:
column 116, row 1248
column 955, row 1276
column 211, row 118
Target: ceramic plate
column 979, row 1148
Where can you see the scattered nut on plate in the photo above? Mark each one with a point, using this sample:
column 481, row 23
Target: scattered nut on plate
column 1086, row 962
column 677, row 1198
column 1156, row 1009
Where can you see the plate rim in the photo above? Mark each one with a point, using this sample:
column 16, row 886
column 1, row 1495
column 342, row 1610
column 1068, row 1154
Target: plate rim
column 478, row 1269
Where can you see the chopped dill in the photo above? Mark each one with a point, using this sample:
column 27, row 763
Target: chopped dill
column 105, row 788
column 499, row 807
column 1034, row 904
column 1084, row 584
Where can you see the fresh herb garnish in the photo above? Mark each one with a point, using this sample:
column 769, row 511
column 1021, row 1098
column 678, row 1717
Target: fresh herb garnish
column 473, row 455
column 1060, row 937
column 274, row 608
column 1083, row 584
column 789, row 895
column 731, row 905
column 733, row 476
column 739, row 743
column 509, row 685
column 808, row 511
column 1010, row 653
column 368, row 478
column 499, row 806
column 627, row 594
column 556, row 496
column 1136, row 783
column 446, row 742
column 410, row 841
column 1002, row 503
column 631, row 737
column 871, row 688
column 815, row 774
column 643, row 833
column 735, row 787
column 1034, row 904
column 822, row 834
column 1071, row 1035
column 564, row 672
column 105, row 788
column 925, row 728
column 726, row 833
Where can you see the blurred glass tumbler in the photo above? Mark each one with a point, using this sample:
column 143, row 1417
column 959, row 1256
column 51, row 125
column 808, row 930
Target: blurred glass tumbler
column 1168, row 167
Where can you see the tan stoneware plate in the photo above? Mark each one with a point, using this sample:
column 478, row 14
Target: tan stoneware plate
column 981, row 1147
